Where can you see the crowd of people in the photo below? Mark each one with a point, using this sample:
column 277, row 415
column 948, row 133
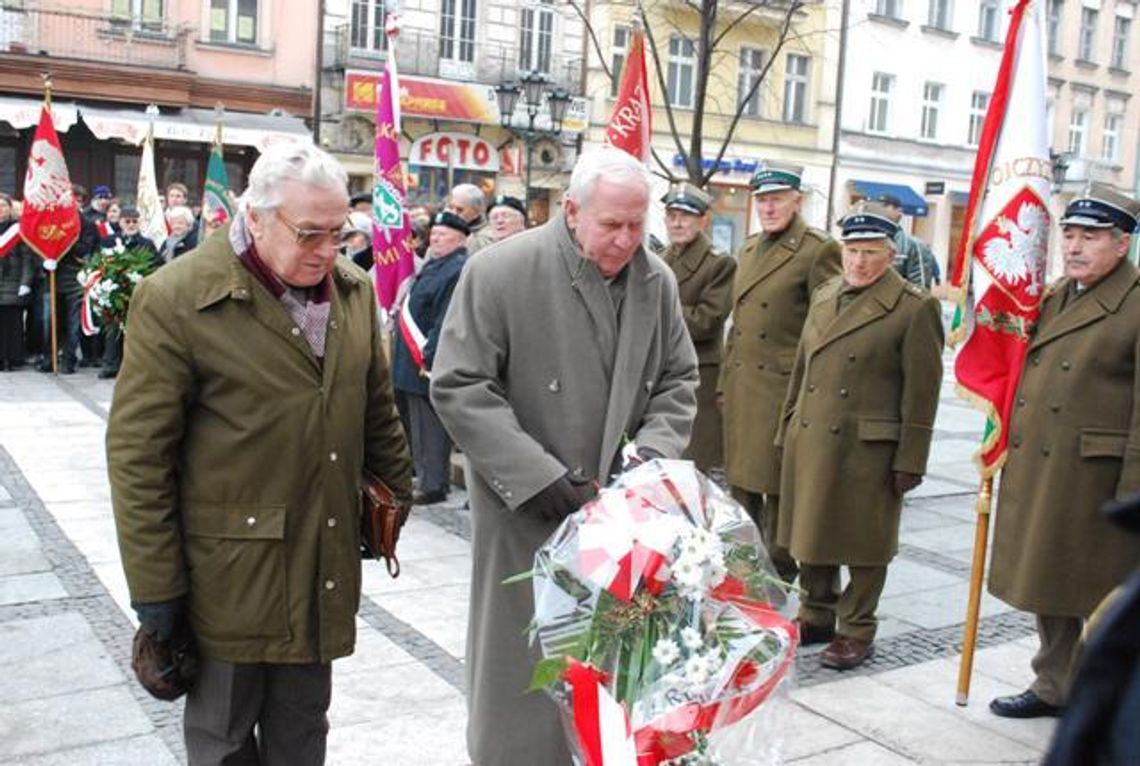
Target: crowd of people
column 259, row 384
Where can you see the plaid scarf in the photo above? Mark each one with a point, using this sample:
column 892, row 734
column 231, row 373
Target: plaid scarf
column 307, row 306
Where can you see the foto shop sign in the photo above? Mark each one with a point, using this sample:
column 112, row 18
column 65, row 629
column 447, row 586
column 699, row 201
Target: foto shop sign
column 461, row 151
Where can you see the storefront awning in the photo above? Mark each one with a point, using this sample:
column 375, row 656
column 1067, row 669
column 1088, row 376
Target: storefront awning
column 912, row 203
column 196, row 125
column 22, row 113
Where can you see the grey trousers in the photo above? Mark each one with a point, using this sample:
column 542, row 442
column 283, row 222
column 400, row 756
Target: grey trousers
column 765, row 511
column 286, row 703
column 1056, row 658
column 853, row 609
column 431, row 445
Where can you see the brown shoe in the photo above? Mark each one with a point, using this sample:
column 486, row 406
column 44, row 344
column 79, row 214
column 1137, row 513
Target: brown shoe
column 845, row 653
column 814, row 634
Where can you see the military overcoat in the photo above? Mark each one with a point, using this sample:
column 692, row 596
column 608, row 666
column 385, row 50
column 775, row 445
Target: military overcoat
column 537, row 376
column 704, row 279
column 1074, row 443
column 235, row 457
column 772, row 289
column 860, row 406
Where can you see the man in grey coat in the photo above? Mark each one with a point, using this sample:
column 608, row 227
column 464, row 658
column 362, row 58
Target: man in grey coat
column 560, row 345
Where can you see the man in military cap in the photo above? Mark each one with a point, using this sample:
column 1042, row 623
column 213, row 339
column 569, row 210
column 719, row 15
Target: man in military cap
column 913, row 259
column 778, row 269
column 856, row 430
column 506, row 216
column 704, row 278
column 1074, row 443
column 361, row 202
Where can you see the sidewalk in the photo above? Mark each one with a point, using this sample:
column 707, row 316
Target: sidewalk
column 65, row 624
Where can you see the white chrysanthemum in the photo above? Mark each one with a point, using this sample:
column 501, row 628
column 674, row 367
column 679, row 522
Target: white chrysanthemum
column 134, row 277
column 666, row 652
column 691, row 638
column 687, row 573
column 696, row 670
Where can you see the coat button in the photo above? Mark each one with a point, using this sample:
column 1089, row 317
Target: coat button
column 249, row 522
column 1021, row 401
column 330, row 584
column 804, row 424
column 760, row 366
column 241, row 293
column 331, row 523
column 843, row 393
column 763, row 334
column 332, row 456
column 763, row 304
column 1035, row 360
column 1055, row 407
column 1016, row 442
column 554, row 386
column 811, row 388
column 1066, row 365
column 1045, row 451
column 850, row 357
column 834, row 429
column 296, row 331
column 332, row 324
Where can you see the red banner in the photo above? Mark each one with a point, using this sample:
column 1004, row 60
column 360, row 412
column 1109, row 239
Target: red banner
column 50, row 221
column 631, row 124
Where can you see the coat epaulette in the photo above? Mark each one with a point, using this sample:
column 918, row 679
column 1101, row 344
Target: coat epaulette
column 1055, row 287
column 914, row 290
column 815, row 233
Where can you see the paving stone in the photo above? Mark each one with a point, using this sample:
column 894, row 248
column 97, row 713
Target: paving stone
column 148, row 750
column 37, row 586
column 422, row 738
column 905, row 576
column 940, row 606
column 76, row 719
column 861, row 753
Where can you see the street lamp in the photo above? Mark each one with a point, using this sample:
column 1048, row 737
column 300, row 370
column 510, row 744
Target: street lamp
column 533, row 91
column 1060, row 168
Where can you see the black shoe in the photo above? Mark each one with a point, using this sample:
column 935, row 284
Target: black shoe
column 429, row 498
column 107, row 374
column 67, row 369
column 1024, row 705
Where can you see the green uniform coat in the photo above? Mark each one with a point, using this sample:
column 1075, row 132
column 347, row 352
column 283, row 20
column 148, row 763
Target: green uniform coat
column 1074, row 444
column 704, row 279
column 235, row 459
column 860, row 406
column 775, row 278
column 534, row 377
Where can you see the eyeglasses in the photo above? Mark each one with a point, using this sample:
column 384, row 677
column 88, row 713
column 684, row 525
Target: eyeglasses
column 310, row 237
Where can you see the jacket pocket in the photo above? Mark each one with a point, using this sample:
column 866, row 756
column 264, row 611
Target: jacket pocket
column 236, row 560
column 879, row 430
column 1103, row 442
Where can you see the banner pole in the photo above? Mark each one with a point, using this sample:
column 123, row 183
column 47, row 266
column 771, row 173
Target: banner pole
column 973, row 606
column 54, row 339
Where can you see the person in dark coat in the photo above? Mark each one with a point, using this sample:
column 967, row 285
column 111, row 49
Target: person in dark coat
column 17, row 270
column 704, row 279
column 131, row 238
column 1074, row 443
column 419, row 322
column 856, row 431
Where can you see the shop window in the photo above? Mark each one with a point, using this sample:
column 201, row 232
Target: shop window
column 537, row 36
column 233, row 21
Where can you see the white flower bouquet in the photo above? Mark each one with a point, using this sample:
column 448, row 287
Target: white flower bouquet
column 109, row 280
column 653, row 609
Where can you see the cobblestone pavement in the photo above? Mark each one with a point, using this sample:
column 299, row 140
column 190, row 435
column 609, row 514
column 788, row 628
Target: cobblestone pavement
column 66, row 626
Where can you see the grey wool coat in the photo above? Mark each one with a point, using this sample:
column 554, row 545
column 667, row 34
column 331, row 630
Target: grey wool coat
column 1074, row 444
column 537, row 376
column 860, row 406
column 771, row 293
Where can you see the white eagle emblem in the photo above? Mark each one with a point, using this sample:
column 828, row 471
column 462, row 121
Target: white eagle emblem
column 47, row 184
column 1019, row 255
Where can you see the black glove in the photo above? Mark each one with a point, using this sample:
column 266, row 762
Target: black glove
column 164, row 655
column 560, row 499
column 905, row 482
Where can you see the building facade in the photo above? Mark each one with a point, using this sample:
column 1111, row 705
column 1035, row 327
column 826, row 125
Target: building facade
column 451, row 55
column 788, row 116
column 247, row 64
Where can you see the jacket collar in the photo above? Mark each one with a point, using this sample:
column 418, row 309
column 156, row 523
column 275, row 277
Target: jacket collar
column 1100, row 300
column 871, row 304
column 689, row 260
column 783, row 246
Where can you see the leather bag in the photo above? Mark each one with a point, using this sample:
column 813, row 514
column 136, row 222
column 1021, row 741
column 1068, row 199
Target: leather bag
column 380, row 522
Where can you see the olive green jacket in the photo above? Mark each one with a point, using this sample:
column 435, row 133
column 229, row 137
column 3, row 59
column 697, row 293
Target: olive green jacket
column 235, row 456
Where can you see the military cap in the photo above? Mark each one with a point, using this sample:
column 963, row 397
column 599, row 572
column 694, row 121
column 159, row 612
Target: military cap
column 776, row 176
column 360, row 197
column 870, row 220
column 687, row 198
column 1101, row 207
column 505, row 200
column 101, row 192
column 129, row 211
column 452, row 221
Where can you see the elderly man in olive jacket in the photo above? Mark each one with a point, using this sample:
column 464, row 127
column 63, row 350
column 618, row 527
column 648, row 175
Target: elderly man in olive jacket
column 1074, row 444
column 252, row 396
column 704, row 279
column 857, row 427
column 559, row 345
column 778, row 270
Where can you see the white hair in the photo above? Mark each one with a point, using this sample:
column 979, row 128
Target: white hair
column 471, row 196
column 605, row 162
column 181, row 211
column 305, row 163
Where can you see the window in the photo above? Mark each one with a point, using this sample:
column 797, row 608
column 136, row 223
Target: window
column 1088, row 34
column 1110, row 152
column 233, row 21
column 979, row 103
column 751, row 67
column 682, row 71
column 1077, row 123
column 142, row 14
column 931, row 105
column 795, row 88
column 940, row 14
column 988, row 20
column 1120, row 29
column 617, row 56
column 890, row 8
column 537, row 36
column 457, row 30
column 1054, row 25
column 881, row 87
column 367, row 28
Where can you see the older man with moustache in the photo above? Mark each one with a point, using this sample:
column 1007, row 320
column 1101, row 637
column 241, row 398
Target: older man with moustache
column 1074, row 444
column 506, row 217
column 857, row 426
column 777, row 271
column 561, row 343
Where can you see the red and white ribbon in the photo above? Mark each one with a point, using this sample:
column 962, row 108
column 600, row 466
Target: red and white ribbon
column 10, row 238
column 86, row 317
column 624, row 542
column 413, row 336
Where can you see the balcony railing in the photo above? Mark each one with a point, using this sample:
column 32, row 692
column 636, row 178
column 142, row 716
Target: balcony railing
column 84, row 36
column 419, row 53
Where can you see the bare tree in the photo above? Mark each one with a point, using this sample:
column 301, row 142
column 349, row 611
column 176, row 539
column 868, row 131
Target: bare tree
column 717, row 19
